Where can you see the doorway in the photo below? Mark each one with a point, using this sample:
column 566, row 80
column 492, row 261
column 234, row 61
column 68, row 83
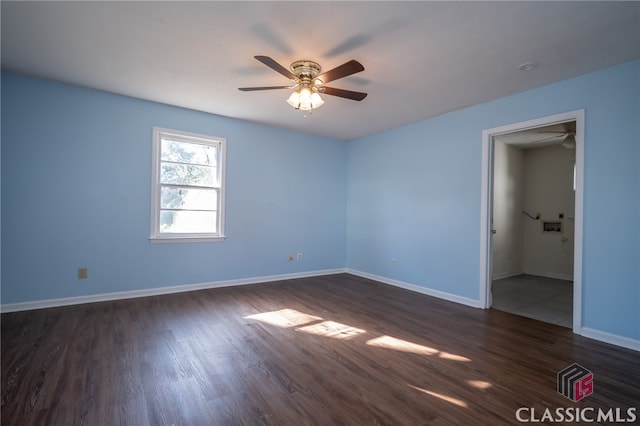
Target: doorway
column 535, row 246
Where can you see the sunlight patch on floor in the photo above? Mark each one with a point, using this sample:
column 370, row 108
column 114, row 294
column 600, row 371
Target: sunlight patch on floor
column 389, row 342
column 306, row 323
column 453, row 357
column 311, row 324
column 479, row 384
column 446, row 398
column 332, row 329
column 285, row 318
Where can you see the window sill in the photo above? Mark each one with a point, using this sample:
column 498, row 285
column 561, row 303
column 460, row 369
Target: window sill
column 183, row 239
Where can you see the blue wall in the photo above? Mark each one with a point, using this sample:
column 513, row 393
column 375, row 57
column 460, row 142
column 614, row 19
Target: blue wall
column 76, row 170
column 414, row 195
column 76, row 182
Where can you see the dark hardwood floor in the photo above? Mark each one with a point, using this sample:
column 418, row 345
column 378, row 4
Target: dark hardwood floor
column 328, row 350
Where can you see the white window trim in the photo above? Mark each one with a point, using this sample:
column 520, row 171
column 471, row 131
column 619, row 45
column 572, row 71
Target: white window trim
column 155, row 235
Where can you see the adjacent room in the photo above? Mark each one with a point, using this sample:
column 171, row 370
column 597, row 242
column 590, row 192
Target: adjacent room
column 288, row 213
column 534, row 188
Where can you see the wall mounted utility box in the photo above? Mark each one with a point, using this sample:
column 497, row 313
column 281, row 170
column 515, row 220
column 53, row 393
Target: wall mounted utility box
column 553, row 227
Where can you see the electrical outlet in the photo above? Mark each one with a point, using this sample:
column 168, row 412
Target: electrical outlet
column 394, row 263
column 299, row 257
column 82, row 273
column 290, row 258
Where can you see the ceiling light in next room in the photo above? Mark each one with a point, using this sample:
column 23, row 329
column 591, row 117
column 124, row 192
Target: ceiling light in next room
column 528, row 66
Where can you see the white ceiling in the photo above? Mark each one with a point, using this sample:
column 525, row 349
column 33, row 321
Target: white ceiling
column 421, row 59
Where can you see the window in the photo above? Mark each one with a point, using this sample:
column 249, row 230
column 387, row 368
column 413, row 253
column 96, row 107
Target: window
column 187, row 199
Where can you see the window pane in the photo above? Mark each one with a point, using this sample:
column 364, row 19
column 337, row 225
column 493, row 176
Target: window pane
column 186, row 174
column 184, row 152
column 187, row 221
column 188, row 198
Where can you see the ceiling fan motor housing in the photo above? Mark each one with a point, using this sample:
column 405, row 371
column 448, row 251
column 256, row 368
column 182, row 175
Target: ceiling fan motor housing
column 306, row 70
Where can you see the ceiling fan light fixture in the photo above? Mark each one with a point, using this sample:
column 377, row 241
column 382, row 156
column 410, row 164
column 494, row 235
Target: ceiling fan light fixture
column 294, row 99
column 316, row 100
column 304, row 99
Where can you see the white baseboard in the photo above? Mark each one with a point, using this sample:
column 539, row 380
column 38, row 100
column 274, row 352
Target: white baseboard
column 506, row 275
column 419, row 289
column 565, row 277
column 67, row 301
column 613, row 339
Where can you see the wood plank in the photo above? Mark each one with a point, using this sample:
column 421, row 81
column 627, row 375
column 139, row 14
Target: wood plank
column 336, row 349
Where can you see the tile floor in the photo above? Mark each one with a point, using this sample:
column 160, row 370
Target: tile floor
column 541, row 298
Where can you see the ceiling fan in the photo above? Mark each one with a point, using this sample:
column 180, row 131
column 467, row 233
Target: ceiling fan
column 309, row 82
column 566, row 136
column 567, row 139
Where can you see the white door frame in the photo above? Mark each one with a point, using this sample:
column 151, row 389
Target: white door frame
column 486, row 205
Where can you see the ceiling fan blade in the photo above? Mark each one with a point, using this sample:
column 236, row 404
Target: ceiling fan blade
column 356, row 96
column 250, row 89
column 558, row 137
column 275, row 66
column 343, row 70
